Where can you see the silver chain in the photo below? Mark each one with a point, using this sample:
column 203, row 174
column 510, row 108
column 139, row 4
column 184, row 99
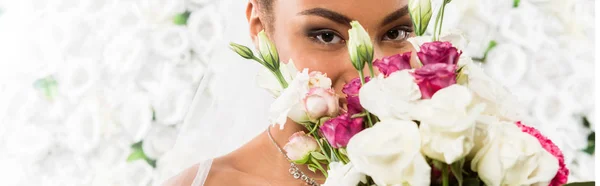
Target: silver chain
column 294, row 170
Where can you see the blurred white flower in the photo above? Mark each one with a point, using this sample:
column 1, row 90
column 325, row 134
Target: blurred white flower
column 171, row 42
column 159, row 140
column 135, row 115
column 87, row 125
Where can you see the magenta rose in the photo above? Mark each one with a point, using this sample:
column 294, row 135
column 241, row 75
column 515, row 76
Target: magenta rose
column 438, row 52
column 434, row 77
column 351, row 90
column 391, row 64
column 339, row 130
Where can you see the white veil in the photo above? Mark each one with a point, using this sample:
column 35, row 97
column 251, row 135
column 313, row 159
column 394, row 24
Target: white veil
column 228, row 109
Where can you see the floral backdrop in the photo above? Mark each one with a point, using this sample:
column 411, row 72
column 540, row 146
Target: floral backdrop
column 94, row 92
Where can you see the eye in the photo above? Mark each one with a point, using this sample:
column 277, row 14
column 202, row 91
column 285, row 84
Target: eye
column 326, row 37
column 397, row 34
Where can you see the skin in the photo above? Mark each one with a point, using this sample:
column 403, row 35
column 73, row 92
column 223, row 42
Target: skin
column 313, row 33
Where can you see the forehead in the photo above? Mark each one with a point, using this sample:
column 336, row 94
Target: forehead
column 365, row 11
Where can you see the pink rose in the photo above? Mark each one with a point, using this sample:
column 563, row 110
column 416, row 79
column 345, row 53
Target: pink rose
column 300, row 146
column 391, row 64
column 434, row 77
column 321, row 102
column 563, row 173
column 351, row 90
column 438, row 52
column 338, row 131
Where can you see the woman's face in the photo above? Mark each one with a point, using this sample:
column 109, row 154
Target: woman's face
column 314, row 32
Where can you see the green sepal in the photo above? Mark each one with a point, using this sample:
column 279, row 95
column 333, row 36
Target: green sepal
column 318, row 156
column 457, row 171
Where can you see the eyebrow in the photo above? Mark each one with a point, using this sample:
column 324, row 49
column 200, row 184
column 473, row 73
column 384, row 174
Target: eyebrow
column 325, row 13
column 395, row 15
column 342, row 19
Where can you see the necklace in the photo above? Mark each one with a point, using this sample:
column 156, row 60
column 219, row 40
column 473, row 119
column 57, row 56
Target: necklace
column 294, row 170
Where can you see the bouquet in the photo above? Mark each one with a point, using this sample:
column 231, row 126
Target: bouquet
column 442, row 121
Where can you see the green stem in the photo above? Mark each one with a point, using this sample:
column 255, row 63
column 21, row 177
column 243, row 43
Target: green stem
column 321, row 147
column 372, row 73
column 362, row 82
column 280, row 78
column 260, row 61
column 369, row 121
column 437, row 22
column 320, row 167
column 362, row 77
column 445, row 181
column 441, row 20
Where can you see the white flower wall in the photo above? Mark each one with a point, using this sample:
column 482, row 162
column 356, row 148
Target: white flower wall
column 83, row 81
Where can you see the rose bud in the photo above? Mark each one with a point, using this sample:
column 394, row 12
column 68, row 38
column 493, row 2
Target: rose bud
column 438, row 52
column 321, row 102
column 391, row 64
column 299, row 147
column 434, row 77
column 351, row 90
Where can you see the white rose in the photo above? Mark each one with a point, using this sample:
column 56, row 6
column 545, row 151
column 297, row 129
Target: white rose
column 390, row 152
column 291, row 101
column 499, row 101
column 448, row 123
column 269, row 82
column 514, row 158
column 343, row 175
column 391, row 97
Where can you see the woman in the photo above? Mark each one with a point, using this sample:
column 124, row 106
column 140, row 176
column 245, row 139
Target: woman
column 312, row 33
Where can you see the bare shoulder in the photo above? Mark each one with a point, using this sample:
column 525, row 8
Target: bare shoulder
column 184, row 178
column 222, row 172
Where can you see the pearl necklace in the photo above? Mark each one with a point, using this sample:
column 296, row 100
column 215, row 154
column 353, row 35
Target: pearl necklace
column 294, row 170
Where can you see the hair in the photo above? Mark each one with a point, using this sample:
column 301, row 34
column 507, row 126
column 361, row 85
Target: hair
column 266, row 7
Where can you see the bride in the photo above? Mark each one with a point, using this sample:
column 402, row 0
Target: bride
column 313, row 33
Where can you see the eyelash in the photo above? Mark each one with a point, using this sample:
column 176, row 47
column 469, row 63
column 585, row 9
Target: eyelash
column 314, row 35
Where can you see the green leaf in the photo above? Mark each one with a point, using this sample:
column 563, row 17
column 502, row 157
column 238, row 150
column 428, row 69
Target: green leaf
column 153, row 114
column 516, row 3
column 359, row 115
column 343, row 151
column 457, row 170
column 181, row 19
column 437, row 164
column 136, row 155
column 312, row 168
column 137, row 145
column 472, row 182
column 591, row 183
column 151, row 162
column 591, row 144
column 319, row 156
column 491, row 45
column 48, row 86
column 586, row 122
